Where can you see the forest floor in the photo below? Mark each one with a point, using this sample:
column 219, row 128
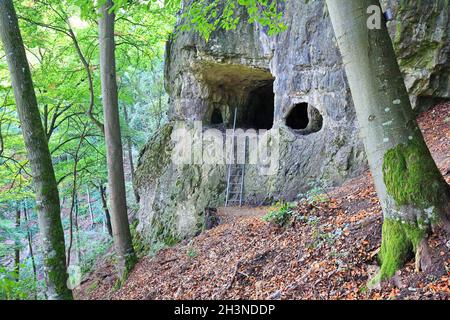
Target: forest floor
column 328, row 252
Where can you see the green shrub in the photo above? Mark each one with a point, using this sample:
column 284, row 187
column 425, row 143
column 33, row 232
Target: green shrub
column 93, row 253
column 192, row 253
column 316, row 194
column 24, row 288
column 280, row 214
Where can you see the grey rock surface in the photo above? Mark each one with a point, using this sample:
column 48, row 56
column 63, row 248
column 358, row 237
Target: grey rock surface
column 266, row 79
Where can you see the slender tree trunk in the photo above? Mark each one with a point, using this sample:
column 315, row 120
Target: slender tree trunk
column 105, row 209
column 69, row 247
column 116, row 178
column 77, row 231
column 91, row 213
column 413, row 194
column 130, row 152
column 74, row 203
column 30, row 248
column 47, row 197
column 17, row 249
column 30, row 243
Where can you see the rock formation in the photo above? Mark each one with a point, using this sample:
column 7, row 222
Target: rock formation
column 293, row 84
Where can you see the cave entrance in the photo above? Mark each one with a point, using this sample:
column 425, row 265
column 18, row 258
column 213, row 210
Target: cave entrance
column 298, row 117
column 246, row 89
column 216, row 117
column 304, row 119
column 258, row 112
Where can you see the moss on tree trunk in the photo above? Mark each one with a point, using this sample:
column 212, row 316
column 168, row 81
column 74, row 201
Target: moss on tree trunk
column 411, row 178
column 413, row 194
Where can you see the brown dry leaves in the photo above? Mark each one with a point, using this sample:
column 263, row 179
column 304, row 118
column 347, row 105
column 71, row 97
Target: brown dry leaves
column 328, row 252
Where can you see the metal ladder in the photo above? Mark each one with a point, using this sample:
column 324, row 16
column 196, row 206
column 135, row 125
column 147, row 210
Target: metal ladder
column 236, row 172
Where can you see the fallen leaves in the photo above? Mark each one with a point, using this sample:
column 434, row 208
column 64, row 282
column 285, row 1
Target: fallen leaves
column 329, row 254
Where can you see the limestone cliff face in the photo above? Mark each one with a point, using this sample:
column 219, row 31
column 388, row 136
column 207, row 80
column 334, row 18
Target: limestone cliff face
column 293, row 84
column 421, row 37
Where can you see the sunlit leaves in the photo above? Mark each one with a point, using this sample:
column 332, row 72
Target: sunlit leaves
column 205, row 16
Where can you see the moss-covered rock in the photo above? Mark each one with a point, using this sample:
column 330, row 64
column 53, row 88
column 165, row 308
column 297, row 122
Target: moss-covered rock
column 201, row 77
column 155, row 155
column 420, row 34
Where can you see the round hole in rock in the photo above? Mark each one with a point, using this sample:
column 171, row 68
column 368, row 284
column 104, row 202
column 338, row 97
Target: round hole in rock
column 304, row 119
column 216, row 117
column 298, row 117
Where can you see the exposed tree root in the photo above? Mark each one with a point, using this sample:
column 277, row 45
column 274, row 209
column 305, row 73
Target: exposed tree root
column 423, row 257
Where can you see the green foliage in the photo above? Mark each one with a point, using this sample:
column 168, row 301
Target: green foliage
column 9, row 237
column 24, row 288
column 93, row 253
column 206, row 16
column 280, row 214
column 308, row 219
column 61, row 40
column 315, row 195
column 191, row 251
column 320, row 238
column 50, row 30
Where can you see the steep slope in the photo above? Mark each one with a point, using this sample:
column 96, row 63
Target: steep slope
column 328, row 251
column 293, row 83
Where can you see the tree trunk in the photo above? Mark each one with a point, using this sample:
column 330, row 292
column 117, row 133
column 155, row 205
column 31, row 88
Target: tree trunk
column 412, row 192
column 105, row 209
column 77, row 232
column 74, row 204
column 47, row 197
column 30, row 248
column 17, row 249
column 30, row 243
column 116, row 179
column 130, row 152
column 91, row 213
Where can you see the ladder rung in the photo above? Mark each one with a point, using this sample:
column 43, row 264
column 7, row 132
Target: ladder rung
column 236, row 171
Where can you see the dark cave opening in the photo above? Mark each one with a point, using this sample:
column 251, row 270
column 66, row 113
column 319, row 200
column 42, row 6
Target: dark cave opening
column 298, row 117
column 258, row 113
column 304, row 119
column 216, row 117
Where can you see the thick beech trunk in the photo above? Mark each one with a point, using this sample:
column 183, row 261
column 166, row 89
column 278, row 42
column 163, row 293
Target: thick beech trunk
column 413, row 194
column 47, row 197
column 116, row 178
